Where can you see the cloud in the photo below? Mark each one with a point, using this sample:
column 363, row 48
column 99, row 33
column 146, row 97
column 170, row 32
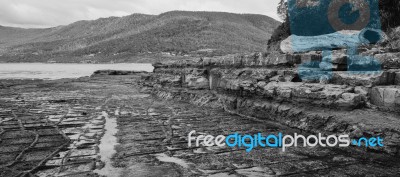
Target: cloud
column 50, row 13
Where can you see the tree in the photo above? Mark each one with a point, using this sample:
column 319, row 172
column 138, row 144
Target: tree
column 388, row 11
column 282, row 9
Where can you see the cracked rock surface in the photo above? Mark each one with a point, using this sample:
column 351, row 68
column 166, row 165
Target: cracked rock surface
column 56, row 128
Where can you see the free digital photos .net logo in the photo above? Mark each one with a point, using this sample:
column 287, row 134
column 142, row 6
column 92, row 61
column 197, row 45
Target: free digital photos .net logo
column 325, row 25
column 280, row 140
column 319, row 25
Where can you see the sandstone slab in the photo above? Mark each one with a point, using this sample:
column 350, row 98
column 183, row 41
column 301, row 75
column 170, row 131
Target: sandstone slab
column 386, row 97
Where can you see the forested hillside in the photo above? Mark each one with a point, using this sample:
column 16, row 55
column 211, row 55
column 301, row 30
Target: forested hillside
column 118, row 38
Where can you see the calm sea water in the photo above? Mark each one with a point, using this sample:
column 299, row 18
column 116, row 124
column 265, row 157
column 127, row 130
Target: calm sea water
column 58, row 71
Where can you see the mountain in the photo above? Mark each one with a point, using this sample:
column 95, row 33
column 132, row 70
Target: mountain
column 126, row 38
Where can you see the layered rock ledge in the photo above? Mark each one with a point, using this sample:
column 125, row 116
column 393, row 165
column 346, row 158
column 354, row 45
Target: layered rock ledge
column 364, row 104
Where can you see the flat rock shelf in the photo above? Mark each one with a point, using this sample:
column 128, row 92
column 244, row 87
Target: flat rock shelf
column 58, row 128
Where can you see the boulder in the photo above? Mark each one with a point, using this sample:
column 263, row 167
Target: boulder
column 387, row 97
column 337, row 57
column 337, row 61
column 342, row 39
column 349, row 101
column 295, row 44
column 197, row 82
column 170, row 80
column 361, row 90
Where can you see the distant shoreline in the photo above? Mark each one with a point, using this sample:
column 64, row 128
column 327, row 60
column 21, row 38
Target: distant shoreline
column 53, row 71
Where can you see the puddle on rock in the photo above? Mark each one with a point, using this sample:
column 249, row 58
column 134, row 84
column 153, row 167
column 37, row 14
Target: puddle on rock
column 106, row 146
column 254, row 171
column 222, row 175
column 165, row 158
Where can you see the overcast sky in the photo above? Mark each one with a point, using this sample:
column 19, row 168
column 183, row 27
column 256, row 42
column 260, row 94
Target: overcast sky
column 50, row 13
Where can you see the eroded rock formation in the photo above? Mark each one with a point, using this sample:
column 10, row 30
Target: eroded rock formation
column 270, row 86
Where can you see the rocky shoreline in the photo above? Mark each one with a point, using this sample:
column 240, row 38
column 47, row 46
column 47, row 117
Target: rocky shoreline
column 359, row 105
column 55, row 128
